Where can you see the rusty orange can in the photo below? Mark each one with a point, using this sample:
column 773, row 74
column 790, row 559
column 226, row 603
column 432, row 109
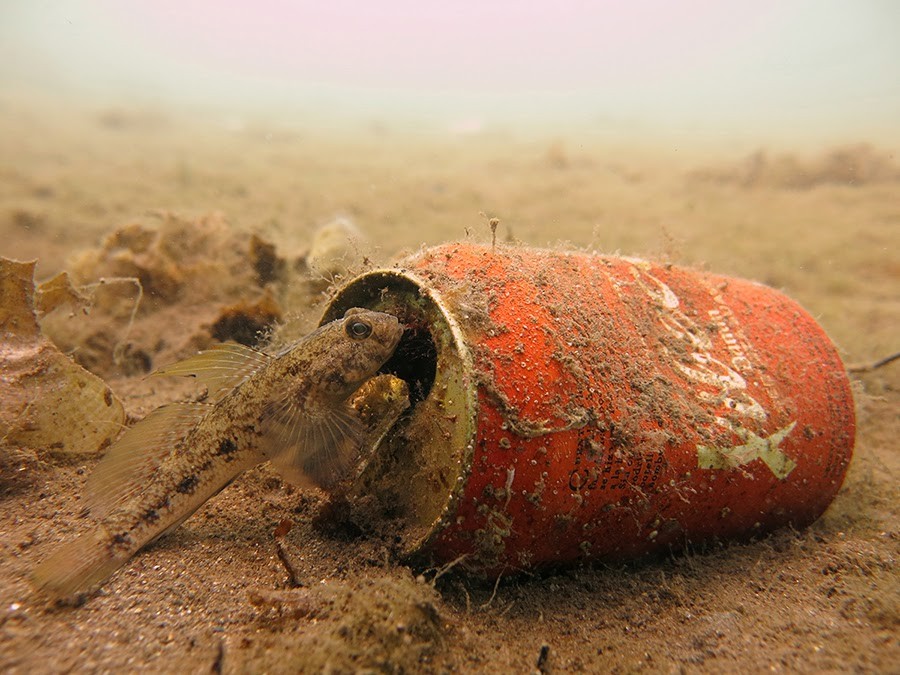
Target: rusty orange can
column 572, row 407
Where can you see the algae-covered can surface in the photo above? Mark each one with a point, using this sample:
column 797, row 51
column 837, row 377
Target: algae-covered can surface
column 574, row 407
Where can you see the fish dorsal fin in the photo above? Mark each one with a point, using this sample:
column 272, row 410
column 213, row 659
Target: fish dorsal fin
column 220, row 368
column 312, row 449
column 128, row 464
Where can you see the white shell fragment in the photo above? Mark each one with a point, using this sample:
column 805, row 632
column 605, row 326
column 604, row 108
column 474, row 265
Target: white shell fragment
column 47, row 401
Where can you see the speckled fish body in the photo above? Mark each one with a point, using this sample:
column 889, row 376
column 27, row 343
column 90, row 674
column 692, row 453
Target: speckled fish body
column 291, row 409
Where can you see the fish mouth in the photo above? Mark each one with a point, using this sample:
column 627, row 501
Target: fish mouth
column 389, row 334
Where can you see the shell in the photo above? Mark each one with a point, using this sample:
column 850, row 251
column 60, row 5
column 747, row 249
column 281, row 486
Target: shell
column 336, row 247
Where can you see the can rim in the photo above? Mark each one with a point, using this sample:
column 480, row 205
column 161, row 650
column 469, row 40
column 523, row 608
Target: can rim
column 454, row 371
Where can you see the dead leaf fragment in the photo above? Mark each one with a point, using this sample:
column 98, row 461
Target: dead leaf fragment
column 47, row 402
column 57, row 292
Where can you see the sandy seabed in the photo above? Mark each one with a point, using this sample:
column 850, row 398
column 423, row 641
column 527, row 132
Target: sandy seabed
column 822, row 225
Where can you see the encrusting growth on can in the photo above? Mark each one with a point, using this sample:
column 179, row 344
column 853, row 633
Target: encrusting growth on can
column 298, row 409
column 599, row 407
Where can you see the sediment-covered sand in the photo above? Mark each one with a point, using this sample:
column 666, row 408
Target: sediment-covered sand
column 821, row 224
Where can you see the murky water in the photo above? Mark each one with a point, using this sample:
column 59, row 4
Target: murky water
column 198, row 150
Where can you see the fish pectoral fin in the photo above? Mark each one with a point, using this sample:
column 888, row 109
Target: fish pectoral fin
column 220, row 368
column 318, row 450
column 130, row 462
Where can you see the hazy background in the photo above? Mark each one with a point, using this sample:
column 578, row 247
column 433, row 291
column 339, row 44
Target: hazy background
column 775, row 70
column 148, row 140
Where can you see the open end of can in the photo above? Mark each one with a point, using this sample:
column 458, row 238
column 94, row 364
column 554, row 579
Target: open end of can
column 410, row 484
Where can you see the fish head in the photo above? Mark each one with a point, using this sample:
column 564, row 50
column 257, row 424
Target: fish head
column 329, row 364
column 372, row 338
column 307, row 427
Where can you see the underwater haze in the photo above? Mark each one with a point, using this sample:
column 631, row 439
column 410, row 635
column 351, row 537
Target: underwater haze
column 722, row 71
column 205, row 171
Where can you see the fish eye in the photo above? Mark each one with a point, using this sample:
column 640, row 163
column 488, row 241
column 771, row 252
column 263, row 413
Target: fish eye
column 358, row 330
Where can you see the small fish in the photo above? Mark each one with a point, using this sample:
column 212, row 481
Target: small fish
column 291, row 409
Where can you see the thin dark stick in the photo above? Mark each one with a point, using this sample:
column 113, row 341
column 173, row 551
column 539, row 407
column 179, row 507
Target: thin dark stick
column 868, row 367
column 280, row 531
column 542, row 657
column 218, row 664
column 293, row 576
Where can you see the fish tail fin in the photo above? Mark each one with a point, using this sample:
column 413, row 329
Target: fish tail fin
column 78, row 566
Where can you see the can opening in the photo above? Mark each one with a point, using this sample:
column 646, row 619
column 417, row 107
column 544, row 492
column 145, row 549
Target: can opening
column 415, row 362
column 410, row 480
